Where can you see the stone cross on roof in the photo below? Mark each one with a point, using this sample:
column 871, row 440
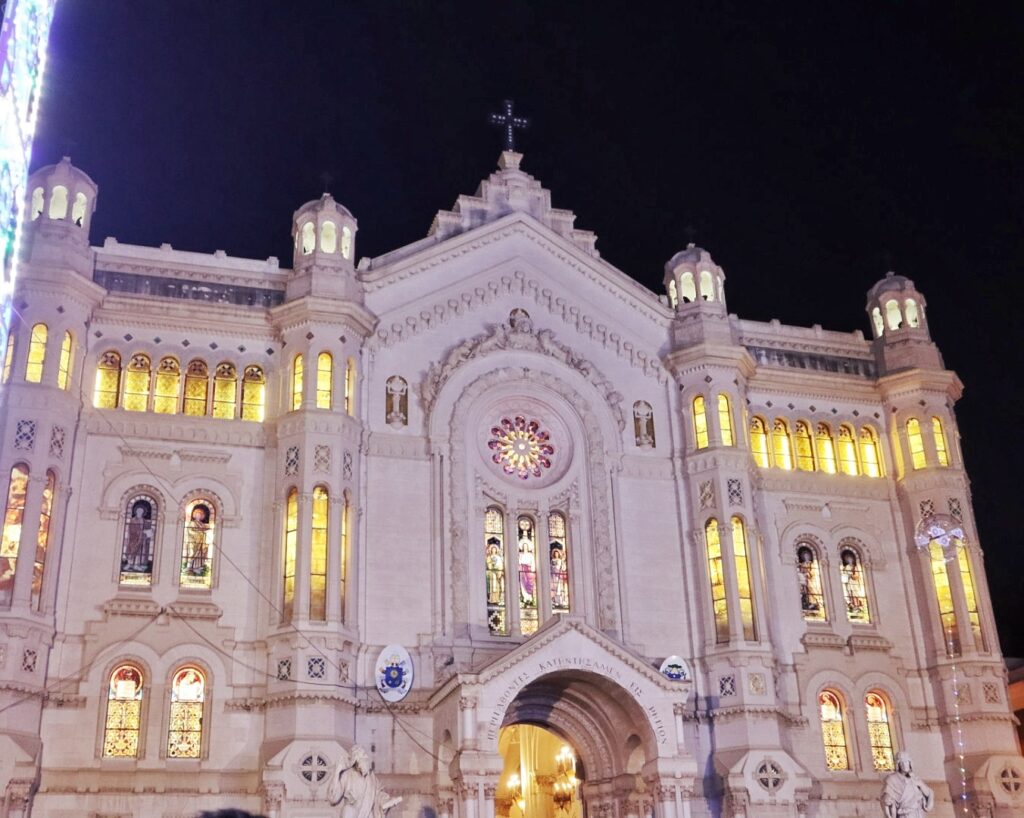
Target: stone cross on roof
column 509, row 123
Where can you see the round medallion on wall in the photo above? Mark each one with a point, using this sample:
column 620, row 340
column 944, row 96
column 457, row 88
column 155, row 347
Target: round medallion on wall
column 521, row 447
column 676, row 669
column 394, row 673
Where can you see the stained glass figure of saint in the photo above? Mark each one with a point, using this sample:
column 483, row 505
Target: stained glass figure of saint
column 197, row 546
column 854, row 591
column 812, row 600
column 528, row 614
column 559, row 564
column 137, row 541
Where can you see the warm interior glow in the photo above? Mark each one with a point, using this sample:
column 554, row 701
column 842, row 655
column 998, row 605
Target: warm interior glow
column 291, row 535
column 185, row 733
column 42, row 541
column 36, row 354
column 716, row 576
column 847, row 451
column 328, row 237
column 168, row 380
column 225, row 381
column 781, row 445
column 826, row 449
column 944, row 598
column 324, row 380
column 940, row 442
column 254, row 389
column 197, row 381
column 539, row 777
column 877, row 713
column 759, row 442
column 64, row 365
column 744, row 585
column 804, row 446
column 318, row 556
column 10, row 541
column 916, row 443
column 136, row 383
column 725, row 420
column 529, row 614
column 869, row 453
column 108, row 381
column 700, row 422
column 833, row 731
column 297, row 383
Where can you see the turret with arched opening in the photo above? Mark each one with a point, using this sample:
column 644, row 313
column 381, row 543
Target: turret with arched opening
column 324, row 231
column 61, row 196
column 895, row 306
column 692, row 277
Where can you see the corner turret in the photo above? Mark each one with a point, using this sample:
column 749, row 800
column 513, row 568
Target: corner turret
column 61, row 202
column 324, row 234
column 897, row 313
column 696, row 291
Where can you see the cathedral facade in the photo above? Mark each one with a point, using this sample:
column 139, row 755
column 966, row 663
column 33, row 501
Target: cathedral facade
column 540, row 541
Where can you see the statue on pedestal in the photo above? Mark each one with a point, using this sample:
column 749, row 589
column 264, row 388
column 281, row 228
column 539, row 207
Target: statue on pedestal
column 357, row 789
column 905, row 794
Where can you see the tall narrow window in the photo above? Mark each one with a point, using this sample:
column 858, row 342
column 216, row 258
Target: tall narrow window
column 826, row 449
column 37, row 203
column 940, row 442
column 847, row 451
column 308, row 240
column 9, row 355
column 869, row 459
column 136, row 383
column 36, row 354
column 833, row 731
column 744, row 585
column 197, row 545
column 64, row 365
column 124, row 713
column 225, row 390
column 700, row 422
column 328, row 237
column 297, row 383
column 318, row 557
column 137, row 540
column 707, row 286
column 892, row 314
column 725, row 420
column 944, row 598
column 876, row 320
column 877, row 712
column 528, row 608
column 197, row 385
column 346, row 242
column 291, row 544
column 804, row 446
column 855, row 591
column 964, row 561
column 350, row 386
column 324, row 379
column 10, row 542
column 716, row 576
column 108, row 381
column 254, row 394
column 687, row 288
column 42, row 541
column 78, row 210
column 494, row 561
column 916, row 443
column 808, row 574
column 558, row 557
column 58, row 202
column 168, row 380
column 188, row 692
column 910, row 310
column 673, row 296
column 782, row 446
column 759, row 442
column 346, row 537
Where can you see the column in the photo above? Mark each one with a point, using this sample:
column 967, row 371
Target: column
column 334, row 524
column 467, row 707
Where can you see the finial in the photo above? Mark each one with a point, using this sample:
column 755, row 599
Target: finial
column 509, row 123
column 325, row 179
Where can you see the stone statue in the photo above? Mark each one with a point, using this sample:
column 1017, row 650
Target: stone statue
column 905, row 794
column 356, row 788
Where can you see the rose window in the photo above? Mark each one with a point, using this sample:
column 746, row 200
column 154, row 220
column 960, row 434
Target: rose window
column 521, row 447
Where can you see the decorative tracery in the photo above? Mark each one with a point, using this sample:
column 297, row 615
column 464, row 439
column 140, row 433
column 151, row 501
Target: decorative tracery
column 833, row 731
column 124, row 711
column 879, row 731
column 197, row 546
column 521, row 447
column 188, row 693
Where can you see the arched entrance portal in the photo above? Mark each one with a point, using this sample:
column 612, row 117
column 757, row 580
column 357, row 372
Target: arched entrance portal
column 541, row 776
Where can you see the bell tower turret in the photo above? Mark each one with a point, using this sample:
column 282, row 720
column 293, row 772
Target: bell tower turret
column 324, row 234
column 696, row 290
column 897, row 313
column 61, row 202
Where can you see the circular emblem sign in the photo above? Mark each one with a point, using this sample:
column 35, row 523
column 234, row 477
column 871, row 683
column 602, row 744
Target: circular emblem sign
column 394, row 673
column 676, row 669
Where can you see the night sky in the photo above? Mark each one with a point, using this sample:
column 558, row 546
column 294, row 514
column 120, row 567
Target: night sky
column 809, row 147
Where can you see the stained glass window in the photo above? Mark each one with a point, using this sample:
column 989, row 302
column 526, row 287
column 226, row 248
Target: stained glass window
column 879, row 732
column 350, row 383
column 291, row 538
column 297, row 375
column 42, row 540
column 225, row 388
column 725, row 420
column 833, row 731
column 138, row 540
column 521, row 447
column 168, row 380
column 197, row 545
column 188, row 692
column 494, row 561
column 700, row 422
column 108, row 381
column 716, row 575
column 826, row 449
column 324, row 380
column 808, row 574
column 847, row 451
column 940, row 442
column 869, row 459
column 254, row 389
column 804, row 446
column 782, row 446
column 197, row 382
column 528, row 608
column 36, row 354
column 916, row 443
column 759, row 442
column 964, row 561
column 318, row 557
column 346, row 532
column 136, row 383
column 10, row 542
column 558, row 558
column 743, row 582
column 9, row 355
column 855, row 592
column 944, row 598
column 64, row 365
column 124, row 712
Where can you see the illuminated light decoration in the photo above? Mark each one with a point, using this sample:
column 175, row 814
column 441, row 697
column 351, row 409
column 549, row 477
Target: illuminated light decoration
column 521, row 447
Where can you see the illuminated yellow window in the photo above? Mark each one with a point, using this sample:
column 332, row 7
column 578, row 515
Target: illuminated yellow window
column 944, row 598
column 782, row 446
column 108, row 381
column 869, row 459
column 291, row 540
column 318, row 557
column 136, row 383
column 197, row 385
column 36, row 354
column 744, row 586
column 826, row 449
column 297, row 367
column 529, row 613
column 494, row 570
column 808, row 574
column 168, row 380
column 188, row 692
column 558, row 562
column 877, row 712
column 700, row 422
column 940, row 442
column 725, row 420
column 254, row 394
column 716, row 576
column 9, row 355
column 833, row 731
column 124, row 713
column 847, row 451
column 759, row 442
column 64, row 365
column 225, row 389
column 10, row 541
column 855, row 586
column 346, row 532
column 967, row 579
column 916, row 443
column 324, row 380
column 350, row 386
column 804, row 446
column 42, row 541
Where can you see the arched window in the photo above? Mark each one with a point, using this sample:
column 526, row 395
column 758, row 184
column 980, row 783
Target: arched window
column 910, row 310
column 833, row 731
column 673, row 295
column 916, row 442
column 494, row 561
column 744, row 584
column 855, row 586
column 528, row 608
column 59, row 202
column 297, row 375
column 136, row 383
column 9, row 355
column 328, row 237
column 700, row 422
column 725, row 420
column 558, row 560
column 308, row 238
column 869, row 459
column 877, row 712
column 876, row 320
column 759, row 442
column 42, row 541
column 826, row 448
column 124, row 713
column 707, row 286
column 318, row 556
column 108, row 381
column 346, row 242
column 804, row 446
column 892, row 314
column 197, row 386
column 782, row 446
column 225, row 391
column 847, row 451
column 37, row 203
column 36, row 354
column 346, row 531
column 643, row 424
column 944, row 598
column 78, row 209
column 940, row 442
column 185, row 733
column 324, row 380
column 197, row 545
column 254, row 394
column 716, row 576
column 10, row 542
column 687, row 288
column 396, row 397
column 970, row 598
column 291, row 545
column 64, row 364
column 168, row 381
column 808, row 574
column 138, row 540
column 350, row 386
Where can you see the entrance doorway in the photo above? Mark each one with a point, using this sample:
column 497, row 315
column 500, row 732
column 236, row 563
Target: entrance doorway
column 541, row 776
